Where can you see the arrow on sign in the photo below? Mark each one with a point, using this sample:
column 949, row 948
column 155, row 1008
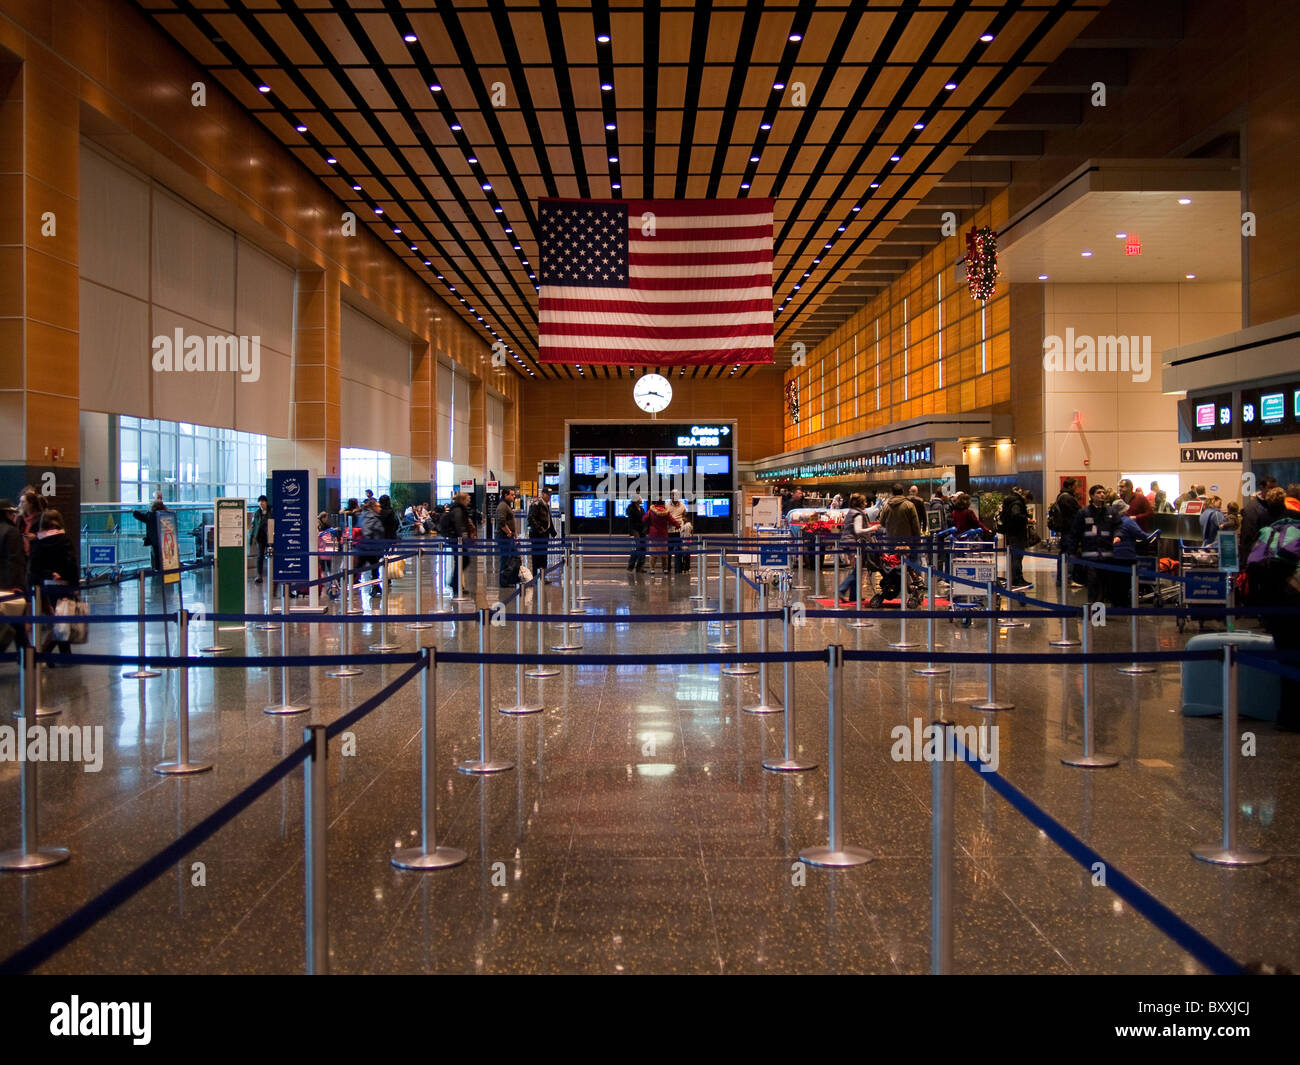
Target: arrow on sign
column 726, row 430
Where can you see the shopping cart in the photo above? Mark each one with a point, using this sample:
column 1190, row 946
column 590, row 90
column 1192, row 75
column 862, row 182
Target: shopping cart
column 977, row 561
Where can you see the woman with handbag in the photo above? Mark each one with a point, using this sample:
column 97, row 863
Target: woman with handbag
column 53, row 560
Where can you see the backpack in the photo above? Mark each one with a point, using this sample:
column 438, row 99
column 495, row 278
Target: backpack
column 1279, row 542
column 1055, row 517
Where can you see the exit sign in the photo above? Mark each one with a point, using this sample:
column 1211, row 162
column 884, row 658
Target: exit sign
column 1133, row 246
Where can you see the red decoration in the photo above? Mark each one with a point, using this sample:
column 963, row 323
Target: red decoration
column 982, row 262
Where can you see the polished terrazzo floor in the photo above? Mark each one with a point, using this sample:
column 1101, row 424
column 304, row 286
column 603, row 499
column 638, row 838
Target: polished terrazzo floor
column 639, row 832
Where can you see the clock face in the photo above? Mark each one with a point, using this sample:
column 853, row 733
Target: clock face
column 652, row 393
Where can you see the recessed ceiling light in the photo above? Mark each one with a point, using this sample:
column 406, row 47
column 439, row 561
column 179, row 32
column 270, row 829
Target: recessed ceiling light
column 807, row 275
column 796, row 37
column 603, row 38
column 615, row 185
column 875, row 184
column 778, row 86
column 331, row 160
column 895, row 158
column 828, row 247
column 264, row 88
column 950, row 86
column 509, row 229
column 815, row 261
column 1042, row 277
column 427, row 262
column 302, row 129
column 455, row 127
column 765, row 125
column 918, row 125
column 1184, row 200
column 857, row 207
column 986, row 37
column 498, row 210
column 753, row 158
column 840, row 229
column 1120, row 236
column 744, row 184
column 396, row 229
column 410, row 38
column 1086, row 254
column 611, row 126
column 1190, row 277
column 487, row 188
column 414, row 248
column 379, row 210
column 518, row 248
column 435, row 88
column 356, row 188
column 472, row 160
column 797, row 287
column 613, row 158
column 607, row 87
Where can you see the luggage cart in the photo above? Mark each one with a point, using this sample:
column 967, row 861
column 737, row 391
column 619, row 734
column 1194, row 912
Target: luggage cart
column 773, row 569
column 972, row 560
column 1202, row 582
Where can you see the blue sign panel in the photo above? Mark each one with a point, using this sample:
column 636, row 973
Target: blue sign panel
column 773, row 554
column 1204, row 586
column 290, row 559
column 103, row 554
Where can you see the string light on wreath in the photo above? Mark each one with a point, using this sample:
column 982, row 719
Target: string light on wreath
column 792, row 401
column 982, row 263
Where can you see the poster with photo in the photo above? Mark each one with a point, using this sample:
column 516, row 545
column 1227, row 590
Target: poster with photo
column 169, row 546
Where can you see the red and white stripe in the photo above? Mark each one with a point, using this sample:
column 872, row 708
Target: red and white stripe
column 699, row 292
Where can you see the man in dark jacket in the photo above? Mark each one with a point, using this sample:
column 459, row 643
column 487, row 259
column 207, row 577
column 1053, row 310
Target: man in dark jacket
column 636, row 528
column 901, row 520
column 1093, row 534
column 373, row 534
column 1254, row 516
column 1013, row 523
column 388, row 518
column 1060, row 519
column 454, row 526
column 257, row 535
column 541, row 527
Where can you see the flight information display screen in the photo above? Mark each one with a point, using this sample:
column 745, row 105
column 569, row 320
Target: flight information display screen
column 590, row 465
column 588, row 507
column 630, row 464
column 713, row 507
column 713, row 465
column 672, row 465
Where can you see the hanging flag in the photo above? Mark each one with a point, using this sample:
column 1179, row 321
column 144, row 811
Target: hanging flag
column 656, row 282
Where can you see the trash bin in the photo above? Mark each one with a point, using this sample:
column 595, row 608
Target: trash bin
column 1259, row 692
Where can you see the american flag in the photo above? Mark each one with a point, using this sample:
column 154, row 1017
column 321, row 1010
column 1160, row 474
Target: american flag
column 656, row 282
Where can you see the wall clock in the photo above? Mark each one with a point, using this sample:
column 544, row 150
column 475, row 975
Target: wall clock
column 652, row 393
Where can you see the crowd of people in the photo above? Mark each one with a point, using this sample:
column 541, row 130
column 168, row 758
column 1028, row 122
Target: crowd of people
column 37, row 562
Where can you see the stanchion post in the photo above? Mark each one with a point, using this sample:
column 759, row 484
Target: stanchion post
column 284, row 706
column 315, row 827
column 182, row 766
column 788, row 764
column 817, row 569
column 419, row 580
column 835, row 854
column 485, row 763
column 722, row 643
column 268, row 625
column 930, row 669
column 539, row 603
column 738, row 668
column 521, row 707
column 858, row 623
column 383, row 646
column 1134, row 668
column 38, row 682
column 835, row 596
column 762, row 706
column 1088, row 759
column 942, row 789
column 991, row 700
column 1064, row 597
column 579, row 590
column 345, row 648
column 902, row 643
column 141, row 672
column 428, row 855
column 701, row 578
column 1229, row 852
column 30, row 854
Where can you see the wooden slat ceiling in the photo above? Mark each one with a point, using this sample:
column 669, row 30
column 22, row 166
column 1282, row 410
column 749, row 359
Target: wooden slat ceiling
column 530, row 102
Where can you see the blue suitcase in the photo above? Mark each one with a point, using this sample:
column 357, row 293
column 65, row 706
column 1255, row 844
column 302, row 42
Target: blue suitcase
column 1259, row 692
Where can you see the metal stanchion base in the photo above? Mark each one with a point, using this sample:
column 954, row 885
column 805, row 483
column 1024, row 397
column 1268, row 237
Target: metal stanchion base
column 1135, row 669
column 739, row 670
column 1217, row 854
column 861, row 623
column 171, row 769
column 582, row 598
column 703, row 608
column 462, row 599
column 993, row 704
column 789, row 765
column 43, row 711
column 1013, row 623
column 566, row 646
column 698, row 598
column 438, row 858
column 215, row 649
column 344, row 671
column 1091, row 761
column 540, row 672
column 41, row 858
column 1067, row 642
column 519, row 709
column 420, row 625
column 932, row 670
column 384, row 648
column 354, row 610
column 762, row 708
column 843, row 858
column 904, row 645
column 496, row 765
column 141, row 674
column 285, row 708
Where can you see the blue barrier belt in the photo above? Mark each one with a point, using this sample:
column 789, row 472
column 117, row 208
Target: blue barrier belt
column 511, row 659
column 700, row 616
column 226, row 661
column 1155, row 911
column 1269, row 665
column 79, row 921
